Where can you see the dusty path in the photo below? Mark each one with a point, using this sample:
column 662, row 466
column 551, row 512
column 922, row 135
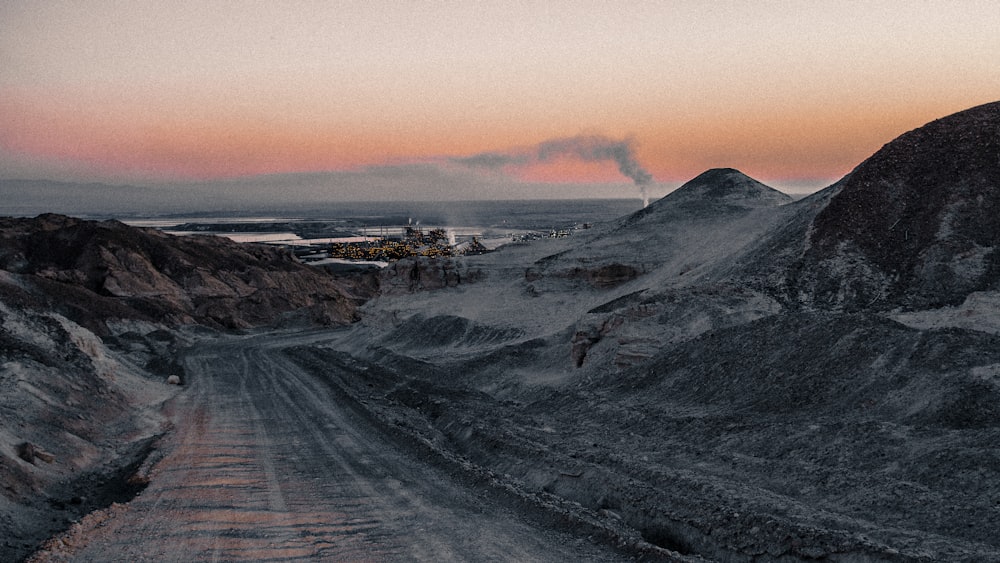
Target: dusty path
column 264, row 465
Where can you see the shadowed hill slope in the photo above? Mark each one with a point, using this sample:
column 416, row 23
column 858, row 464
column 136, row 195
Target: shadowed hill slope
column 915, row 225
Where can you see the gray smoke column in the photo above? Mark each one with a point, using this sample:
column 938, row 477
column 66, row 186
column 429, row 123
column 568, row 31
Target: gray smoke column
column 588, row 148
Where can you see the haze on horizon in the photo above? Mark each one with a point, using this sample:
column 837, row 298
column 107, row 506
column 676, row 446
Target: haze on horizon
column 792, row 93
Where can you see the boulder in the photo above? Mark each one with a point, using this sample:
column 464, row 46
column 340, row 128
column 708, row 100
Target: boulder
column 30, row 452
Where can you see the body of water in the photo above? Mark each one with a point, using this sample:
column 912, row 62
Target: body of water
column 511, row 214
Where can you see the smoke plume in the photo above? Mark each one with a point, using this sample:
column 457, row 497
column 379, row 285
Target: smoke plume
column 588, row 148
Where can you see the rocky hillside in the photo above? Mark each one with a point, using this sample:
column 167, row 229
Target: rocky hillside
column 738, row 376
column 92, row 318
column 675, row 240
column 91, row 271
column 914, row 226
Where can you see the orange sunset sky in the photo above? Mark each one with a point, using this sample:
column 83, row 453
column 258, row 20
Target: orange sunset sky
column 794, row 93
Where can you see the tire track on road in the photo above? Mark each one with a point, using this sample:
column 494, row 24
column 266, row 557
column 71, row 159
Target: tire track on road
column 264, row 465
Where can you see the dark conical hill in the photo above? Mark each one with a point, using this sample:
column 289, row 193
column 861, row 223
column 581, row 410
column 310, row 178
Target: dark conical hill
column 726, row 186
column 713, row 193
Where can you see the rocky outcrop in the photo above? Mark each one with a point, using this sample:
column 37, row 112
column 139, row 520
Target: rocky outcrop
column 914, row 226
column 421, row 274
column 91, row 271
column 30, row 452
column 72, row 414
column 606, row 276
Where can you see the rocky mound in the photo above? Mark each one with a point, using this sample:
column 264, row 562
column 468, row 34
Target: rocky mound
column 726, row 186
column 699, row 227
column 90, row 271
column 716, row 191
column 915, row 225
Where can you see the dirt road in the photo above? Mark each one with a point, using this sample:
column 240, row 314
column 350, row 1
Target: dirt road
column 264, row 465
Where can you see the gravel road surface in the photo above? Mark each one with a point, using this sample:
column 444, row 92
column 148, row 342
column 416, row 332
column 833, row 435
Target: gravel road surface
column 264, row 465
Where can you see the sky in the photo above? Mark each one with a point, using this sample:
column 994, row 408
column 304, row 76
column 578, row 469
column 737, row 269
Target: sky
column 793, row 93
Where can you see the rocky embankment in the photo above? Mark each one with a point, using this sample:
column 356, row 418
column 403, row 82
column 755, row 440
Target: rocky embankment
column 422, row 274
column 92, row 315
column 90, row 270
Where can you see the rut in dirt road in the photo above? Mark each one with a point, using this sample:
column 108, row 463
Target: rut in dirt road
column 264, row 465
